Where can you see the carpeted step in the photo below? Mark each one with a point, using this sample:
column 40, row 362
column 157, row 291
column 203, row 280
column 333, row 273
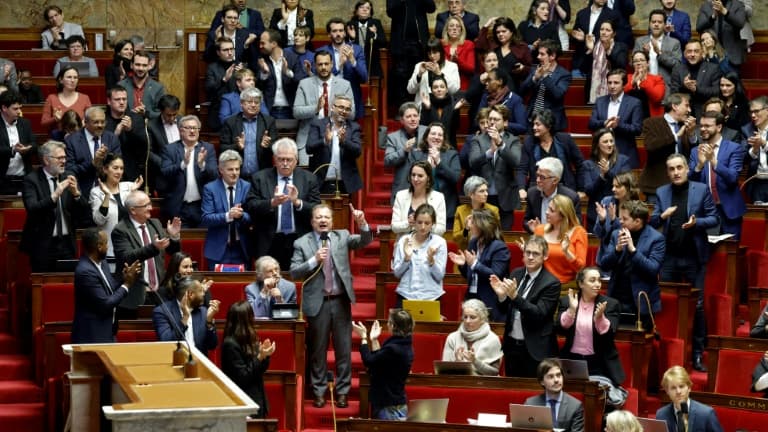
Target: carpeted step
column 364, row 265
column 20, row 392
column 14, row 367
column 322, row 418
column 27, row 417
column 375, row 199
column 379, row 215
column 363, row 311
column 381, row 183
column 9, row 344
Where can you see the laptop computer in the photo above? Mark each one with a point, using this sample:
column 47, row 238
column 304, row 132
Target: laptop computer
column 427, row 410
column 83, row 67
column 452, row 367
column 653, row 425
column 574, row 369
column 529, row 416
column 423, row 310
column 285, row 311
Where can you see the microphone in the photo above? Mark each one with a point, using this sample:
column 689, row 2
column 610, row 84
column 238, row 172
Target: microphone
column 179, row 356
column 324, row 240
column 639, row 323
column 146, row 159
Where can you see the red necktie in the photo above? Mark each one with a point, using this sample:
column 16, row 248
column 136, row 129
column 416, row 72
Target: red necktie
column 325, row 99
column 150, row 262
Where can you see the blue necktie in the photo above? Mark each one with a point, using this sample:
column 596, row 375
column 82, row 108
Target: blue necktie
column 552, row 408
column 250, row 159
column 95, row 145
column 286, row 216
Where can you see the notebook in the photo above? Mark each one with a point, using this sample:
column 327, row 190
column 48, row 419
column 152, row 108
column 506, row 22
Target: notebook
column 652, row 425
column 574, row 369
column 423, row 310
column 529, row 416
column 427, row 410
column 452, row 367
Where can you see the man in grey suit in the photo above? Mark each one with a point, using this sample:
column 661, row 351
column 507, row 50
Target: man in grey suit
column 663, row 51
column 567, row 411
column 321, row 258
column 269, row 288
column 314, row 98
column 143, row 239
column 400, row 143
column 726, row 18
column 151, row 90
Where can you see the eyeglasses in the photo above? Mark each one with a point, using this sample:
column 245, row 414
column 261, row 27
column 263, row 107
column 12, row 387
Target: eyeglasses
column 191, row 128
column 757, row 110
column 285, row 160
column 543, row 177
column 343, row 108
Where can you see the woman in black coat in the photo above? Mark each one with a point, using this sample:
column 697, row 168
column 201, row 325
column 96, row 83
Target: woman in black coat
column 244, row 358
column 372, row 39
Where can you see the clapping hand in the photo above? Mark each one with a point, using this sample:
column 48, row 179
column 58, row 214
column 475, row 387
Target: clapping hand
column 137, row 183
column 131, row 272
column 375, row 330
column 431, row 252
column 573, row 301
column 201, row 157
column 600, row 310
column 601, row 211
column 266, row 348
column 533, row 223
column 213, row 309
column 691, row 222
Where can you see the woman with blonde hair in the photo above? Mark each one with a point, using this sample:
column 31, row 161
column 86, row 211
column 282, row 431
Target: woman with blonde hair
column 474, row 341
column 622, row 421
column 459, row 50
column 566, row 237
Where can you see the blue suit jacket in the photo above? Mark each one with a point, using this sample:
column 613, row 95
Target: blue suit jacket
column 356, row 75
column 646, row 263
column 556, row 85
column 682, row 24
column 262, row 307
column 629, row 127
column 95, row 303
column 173, row 154
column 493, row 260
column 205, row 339
column 700, row 204
column 730, row 159
column 79, row 159
column 701, row 418
column 215, row 206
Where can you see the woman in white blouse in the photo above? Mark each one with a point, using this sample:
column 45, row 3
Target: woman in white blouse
column 419, row 192
column 435, row 65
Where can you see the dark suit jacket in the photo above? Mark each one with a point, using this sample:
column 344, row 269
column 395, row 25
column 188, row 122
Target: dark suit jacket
column 471, row 23
column 570, row 415
column 604, row 345
column 356, row 75
column 494, row 260
column 580, row 58
column 232, row 129
column 707, row 83
column 246, row 55
column 727, row 28
column 700, row 204
column 269, row 85
column 257, row 204
column 26, row 137
column 177, row 178
column 564, row 148
column 372, row 44
column 659, row 143
column 397, row 158
column 133, row 145
column 730, row 159
column 129, row 247
column 350, row 148
column 682, row 23
column 215, row 89
column 308, row 21
column 405, row 13
column 536, row 311
column 215, row 207
column 158, row 143
column 205, row 338
column 153, row 91
column 597, row 187
column 646, row 264
column 79, row 159
column 556, row 85
column 533, row 206
column 41, row 219
column 246, row 371
column 255, row 21
column 95, row 303
column 502, row 173
column 629, row 127
column 701, row 418
column 304, row 249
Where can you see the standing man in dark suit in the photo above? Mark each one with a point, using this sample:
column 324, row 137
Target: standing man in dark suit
column 276, row 75
column 143, row 91
column 87, row 147
column 280, row 202
column 321, row 258
column 163, row 130
column 456, row 8
column 549, row 170
column 756, row 143
column 547, row 84
column 717, row 163
column 53, row 203
column 17, row 143
column 129, row 128
column 142, row 238
column 188, row 314
column 685, row 211
column 696, row 77
column 621, row 113
column 245, row 42
column 726, row 18
column 250, row 133
column 683, row 413
column 220, row 79
column 348, row 61
column 567, row 411
column 268, row 288
column 97, row 293
column 529, row 300
column 407, row 43
column 400, row 143
column 250, row 19
column 677, row 22
column 187, row 166
column 226, row 241
column 336, row 140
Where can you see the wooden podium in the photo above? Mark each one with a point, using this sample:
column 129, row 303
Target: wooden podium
column 149, row 393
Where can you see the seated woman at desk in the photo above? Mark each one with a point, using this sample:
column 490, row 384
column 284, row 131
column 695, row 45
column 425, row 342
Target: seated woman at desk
column 76, row 45
column 474, row 341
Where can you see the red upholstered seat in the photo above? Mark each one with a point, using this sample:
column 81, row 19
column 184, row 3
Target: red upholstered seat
column 625, row 355
column 227, row 293
column 754, row 230
column 283, row 358
column 734, row 371
column 757, row 262
column 58, row 302
column 718, row 312
column 732, row 419
column 427, row 347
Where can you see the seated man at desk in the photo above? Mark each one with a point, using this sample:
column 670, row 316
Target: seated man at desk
column 269, row 288
column 567, row 411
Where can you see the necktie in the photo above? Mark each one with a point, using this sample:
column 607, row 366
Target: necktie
column 328, row 269
column 680, row 421
column 325, row 99
column 553, row 409
column 232, row 226
column 59, row 211
column 538, row 103
column 95, row 145
column 286, row 220
column 713, row 184
column 363, row 33
column 524, row 285
column 250, row 154
column 151, row 261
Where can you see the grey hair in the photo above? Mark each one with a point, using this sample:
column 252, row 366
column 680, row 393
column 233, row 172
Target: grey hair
column 478, row 306
column 261, row 263
column 133, row 198
column 229, row 155
column 189, row 117
column 251, row 93
column 473, row 183
column 553, row 165
column 91, row 109
column 283, row 143
column 47, row 148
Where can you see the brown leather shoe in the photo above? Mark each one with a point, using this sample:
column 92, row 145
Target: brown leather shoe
column 341, row 401
column 319, row 402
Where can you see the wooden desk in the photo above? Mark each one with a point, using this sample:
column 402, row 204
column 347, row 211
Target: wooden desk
column 149, row 393
column 365, row 425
